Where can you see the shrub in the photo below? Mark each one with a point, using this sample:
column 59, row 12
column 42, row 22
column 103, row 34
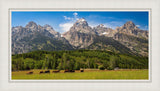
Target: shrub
column 110, row 68
column 101, row 67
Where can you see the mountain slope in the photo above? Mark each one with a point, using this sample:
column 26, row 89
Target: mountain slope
column 133, row 38
column 135, row 44
column 109, row 44
column 35, row 37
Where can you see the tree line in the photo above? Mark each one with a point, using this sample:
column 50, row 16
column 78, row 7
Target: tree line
column 77, row 59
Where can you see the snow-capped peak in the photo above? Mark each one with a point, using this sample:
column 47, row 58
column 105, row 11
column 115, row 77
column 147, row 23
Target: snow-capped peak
column 101, row 25
column 81, row 20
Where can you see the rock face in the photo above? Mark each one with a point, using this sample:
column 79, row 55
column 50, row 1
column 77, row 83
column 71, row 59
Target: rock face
column 35, row 37
column 32, row 28
column 102, row 30
column 127, row 39
column 80, row 34
column 78, row 39
column 82, row 26
column 133, row 38
column 109, row 44
column 52, row 31
column 131, row 29
column 135, row 44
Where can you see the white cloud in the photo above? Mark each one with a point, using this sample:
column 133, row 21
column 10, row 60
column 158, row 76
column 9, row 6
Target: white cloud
column 67, row 18
column 109, row 25
column 69, row 23
column 92, row 24
column 75, row 14
column 114, row 24
column 65, row 26
column 144, row 27
column 138, row 25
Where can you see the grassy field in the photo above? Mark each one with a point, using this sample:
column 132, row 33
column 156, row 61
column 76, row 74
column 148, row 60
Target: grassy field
column 87, row 74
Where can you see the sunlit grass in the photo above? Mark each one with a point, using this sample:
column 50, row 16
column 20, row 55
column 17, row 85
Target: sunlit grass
column 87, row 74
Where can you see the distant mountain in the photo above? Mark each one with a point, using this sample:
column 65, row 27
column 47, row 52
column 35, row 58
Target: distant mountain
column 102, row 30
column 36, row 37
column 133, row 38
column 130, row 28
column 31, row 28
column 127, row 39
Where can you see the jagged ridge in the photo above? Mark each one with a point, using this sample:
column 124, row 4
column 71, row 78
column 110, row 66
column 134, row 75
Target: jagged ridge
column 124, row 39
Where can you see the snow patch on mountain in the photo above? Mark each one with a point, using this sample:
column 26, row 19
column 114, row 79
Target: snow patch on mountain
column 104, row 33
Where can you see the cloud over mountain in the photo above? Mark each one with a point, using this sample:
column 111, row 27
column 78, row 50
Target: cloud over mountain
column 69, row 21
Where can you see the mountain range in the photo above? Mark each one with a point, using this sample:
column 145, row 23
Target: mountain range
column 127, row 39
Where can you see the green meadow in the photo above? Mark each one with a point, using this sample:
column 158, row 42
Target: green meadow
column 125, row 74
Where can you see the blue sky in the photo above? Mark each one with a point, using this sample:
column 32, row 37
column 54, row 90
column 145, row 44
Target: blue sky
column 61, row 21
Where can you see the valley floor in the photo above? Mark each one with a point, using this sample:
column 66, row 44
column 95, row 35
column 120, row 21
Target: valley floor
column 88, row 74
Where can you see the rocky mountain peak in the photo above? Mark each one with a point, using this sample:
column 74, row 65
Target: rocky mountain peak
column 51, row 30
column 101, row 26
column 80, row 34
column 81, row 26
column 129, row 22
column 129, row 28
column 81, row 22
column 103, row 30
column 31, row 25
column 129, row 25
